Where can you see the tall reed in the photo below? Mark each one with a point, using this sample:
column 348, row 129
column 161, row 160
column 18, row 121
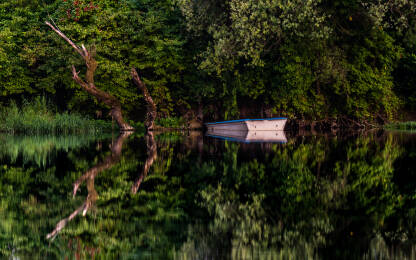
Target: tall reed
column 37, row 117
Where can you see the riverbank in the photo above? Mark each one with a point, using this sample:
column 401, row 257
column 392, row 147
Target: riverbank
column 331, row 124
column 38, row 117
column 324, row 125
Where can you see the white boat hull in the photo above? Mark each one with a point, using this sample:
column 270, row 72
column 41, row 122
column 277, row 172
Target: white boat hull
column 249, row 130
column 273, row 124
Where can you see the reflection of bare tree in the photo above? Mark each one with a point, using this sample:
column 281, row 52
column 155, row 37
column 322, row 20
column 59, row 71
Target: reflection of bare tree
column 151, row 157
column 89, row 177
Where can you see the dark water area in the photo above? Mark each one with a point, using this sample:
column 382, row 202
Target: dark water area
column 189, row 196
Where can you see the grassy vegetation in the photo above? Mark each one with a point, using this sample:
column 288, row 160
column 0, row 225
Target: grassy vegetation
column 410, row 125
column 172, row 122
column 36, row 117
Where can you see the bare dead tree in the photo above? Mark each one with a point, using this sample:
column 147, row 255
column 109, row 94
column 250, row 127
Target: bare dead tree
column 89, row 85
column 151, row 157
column 89, row 177
column 150, row 105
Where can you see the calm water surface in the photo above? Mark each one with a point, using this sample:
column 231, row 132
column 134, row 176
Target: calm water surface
column 188, row 196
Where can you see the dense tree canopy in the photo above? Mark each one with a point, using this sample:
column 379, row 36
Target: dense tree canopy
column 230, row 58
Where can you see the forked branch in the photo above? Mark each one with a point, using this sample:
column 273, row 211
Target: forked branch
column 60, row 33
column 89, row 85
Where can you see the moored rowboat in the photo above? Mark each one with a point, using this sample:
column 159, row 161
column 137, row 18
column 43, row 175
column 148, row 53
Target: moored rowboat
column 264, row 124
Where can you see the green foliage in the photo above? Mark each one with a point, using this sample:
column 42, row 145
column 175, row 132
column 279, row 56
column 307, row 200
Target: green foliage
column 36, row 117
column 411, row 125
column 303, row 59
column 405, row 80
column 126, row 34
column 14, row 75
column 370, row 88
column 251, row 29
column 172, row 122
column 393, row 15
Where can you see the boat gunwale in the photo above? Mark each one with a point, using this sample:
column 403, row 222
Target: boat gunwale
column 246, row 120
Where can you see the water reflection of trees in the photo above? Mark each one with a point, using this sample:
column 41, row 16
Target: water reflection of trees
column 311, row 198
column 95, row 230
column 89, row 177
column 151, row 157
column 305, row 199
column 41, row 150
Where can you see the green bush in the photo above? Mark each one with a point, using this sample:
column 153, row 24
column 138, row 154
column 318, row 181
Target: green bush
column 171, row 122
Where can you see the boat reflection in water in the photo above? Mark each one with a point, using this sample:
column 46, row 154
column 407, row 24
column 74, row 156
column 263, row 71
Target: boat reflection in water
column 247, row 136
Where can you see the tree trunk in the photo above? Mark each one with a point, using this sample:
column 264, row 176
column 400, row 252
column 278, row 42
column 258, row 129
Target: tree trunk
column 150, row 105
column 89, row 85
column 200, row 114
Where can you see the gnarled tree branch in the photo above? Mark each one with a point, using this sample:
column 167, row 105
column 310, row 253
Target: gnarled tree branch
column 150, row 105
column 60, row 33
column 89, row 85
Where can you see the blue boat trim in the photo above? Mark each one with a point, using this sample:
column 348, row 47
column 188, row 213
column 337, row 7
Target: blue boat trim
column 244, row 120
column 244, row 141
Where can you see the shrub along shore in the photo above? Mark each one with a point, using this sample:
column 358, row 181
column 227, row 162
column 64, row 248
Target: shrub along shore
column 37, row 117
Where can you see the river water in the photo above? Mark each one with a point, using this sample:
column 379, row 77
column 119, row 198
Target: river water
column 189, row 196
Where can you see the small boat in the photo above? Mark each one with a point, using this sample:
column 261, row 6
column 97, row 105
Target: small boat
column 265, row 124
column 249, row 136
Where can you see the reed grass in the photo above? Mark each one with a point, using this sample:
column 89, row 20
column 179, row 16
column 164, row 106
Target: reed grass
column 37, row 117
column 410, row 125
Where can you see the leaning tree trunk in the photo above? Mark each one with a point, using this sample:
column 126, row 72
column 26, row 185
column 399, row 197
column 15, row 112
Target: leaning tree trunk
column 89, row 85
column 150, row 105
